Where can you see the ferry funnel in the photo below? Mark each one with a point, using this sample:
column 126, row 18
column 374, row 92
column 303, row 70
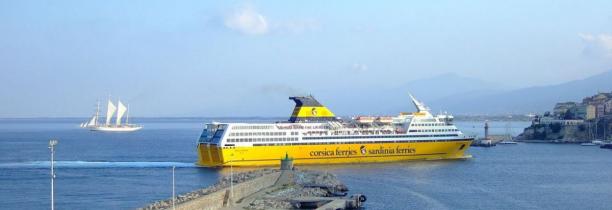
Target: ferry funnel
column 308, row 109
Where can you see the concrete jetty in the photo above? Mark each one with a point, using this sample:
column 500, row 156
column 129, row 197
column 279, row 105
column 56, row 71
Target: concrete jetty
column 287, row 188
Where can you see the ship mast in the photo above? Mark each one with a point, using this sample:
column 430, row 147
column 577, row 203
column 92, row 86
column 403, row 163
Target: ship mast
column 127, row 117
column 419, row 105
column 97, row 113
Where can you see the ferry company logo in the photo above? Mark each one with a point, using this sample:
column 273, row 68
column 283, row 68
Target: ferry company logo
column 363, row 150
column 313, row 111
column 338, row 152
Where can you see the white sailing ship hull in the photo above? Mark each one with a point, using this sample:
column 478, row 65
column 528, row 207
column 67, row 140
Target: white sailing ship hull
column 121, row 109
column 116, row 129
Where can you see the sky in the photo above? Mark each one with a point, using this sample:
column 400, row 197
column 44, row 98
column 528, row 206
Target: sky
column 244, row 58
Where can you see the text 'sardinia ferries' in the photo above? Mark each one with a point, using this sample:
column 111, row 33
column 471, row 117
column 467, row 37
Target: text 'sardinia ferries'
column 313, row 135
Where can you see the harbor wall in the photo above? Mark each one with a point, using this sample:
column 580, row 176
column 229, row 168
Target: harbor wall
column 221, row 198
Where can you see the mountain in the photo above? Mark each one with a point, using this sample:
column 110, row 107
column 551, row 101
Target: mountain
column 384, row 101
column 533, row 99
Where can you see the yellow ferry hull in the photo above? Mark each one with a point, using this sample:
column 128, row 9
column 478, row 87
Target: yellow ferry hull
column 270, row 155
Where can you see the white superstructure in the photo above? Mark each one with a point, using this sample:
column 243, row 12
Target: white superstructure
column 418, row 126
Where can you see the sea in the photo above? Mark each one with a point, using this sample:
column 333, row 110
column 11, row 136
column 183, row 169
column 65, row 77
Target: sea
column 96, row 170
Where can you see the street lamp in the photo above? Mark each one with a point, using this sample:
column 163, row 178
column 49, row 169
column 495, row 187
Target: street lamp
column 173, row 191
column 52, row 144
column 232, row 176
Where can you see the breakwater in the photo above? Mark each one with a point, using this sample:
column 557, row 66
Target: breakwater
column 220, row 194
column 269, row 189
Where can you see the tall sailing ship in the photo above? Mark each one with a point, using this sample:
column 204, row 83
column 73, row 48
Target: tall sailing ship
column 314, row 135
column 119, row 126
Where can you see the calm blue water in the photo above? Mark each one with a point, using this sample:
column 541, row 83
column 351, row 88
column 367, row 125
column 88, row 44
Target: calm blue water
column 124, row 171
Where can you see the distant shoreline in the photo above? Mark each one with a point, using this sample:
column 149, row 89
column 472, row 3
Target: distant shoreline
column 457, row 118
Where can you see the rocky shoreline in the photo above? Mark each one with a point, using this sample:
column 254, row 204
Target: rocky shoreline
column 554, row 133
column 303, row 184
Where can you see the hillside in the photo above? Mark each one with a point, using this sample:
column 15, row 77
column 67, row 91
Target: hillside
column 525, row 100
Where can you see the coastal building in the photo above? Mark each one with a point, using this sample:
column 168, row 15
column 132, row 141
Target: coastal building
column 600, row 110
column 599, row 98
column 562, row 108
column 591, row 112
column 574, row 122
column 609, row 107
column 548, row 120
column 591, row 108
column 579, row 111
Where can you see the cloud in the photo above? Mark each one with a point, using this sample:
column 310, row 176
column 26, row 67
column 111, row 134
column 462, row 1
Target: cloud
column 247, row 20
column 597, row 45
column 359, row 67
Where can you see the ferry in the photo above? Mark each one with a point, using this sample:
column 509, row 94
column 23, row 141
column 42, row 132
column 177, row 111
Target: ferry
column 314, row 135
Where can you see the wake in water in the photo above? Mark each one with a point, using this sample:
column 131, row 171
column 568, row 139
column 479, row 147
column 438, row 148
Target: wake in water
column 96, row 164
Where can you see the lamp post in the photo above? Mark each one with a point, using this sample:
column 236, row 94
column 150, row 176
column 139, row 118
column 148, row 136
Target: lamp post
column 173, row 191
column 231, row 179
column 52, row 144
column 231, row 175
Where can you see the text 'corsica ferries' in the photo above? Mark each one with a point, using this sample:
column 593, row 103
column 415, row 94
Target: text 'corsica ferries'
column 313, row 135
